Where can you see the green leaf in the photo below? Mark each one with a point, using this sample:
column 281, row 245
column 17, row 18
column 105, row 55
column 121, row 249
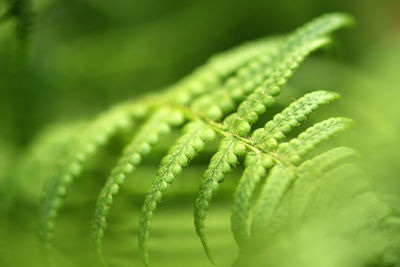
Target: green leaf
column 220, row 164
column 272, row 192
column 283, row 123
column 297, row 148
column 185, row 149
column 147, row 136
column 94, row 136
column 305, row 40
column 256, row 165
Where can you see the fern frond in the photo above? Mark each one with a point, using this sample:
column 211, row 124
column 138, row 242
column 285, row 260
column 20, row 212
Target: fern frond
column 256, row 165
column 349, row 175
column 282, row 123
column 263, row 96
column 322, row 162
column 278, row 181
column 276, row 70
column 222, row 101
column 83, row 147
column 282, row 175
column 355, row 188
column 196, row 133
column 311, row 174
column 158, row 124
column 41, row 158
column 297, row 148
column 284, row 62
column 220, row 164
column 202, row 80
column 272, row 71
column 225, row 96
column 207, row 77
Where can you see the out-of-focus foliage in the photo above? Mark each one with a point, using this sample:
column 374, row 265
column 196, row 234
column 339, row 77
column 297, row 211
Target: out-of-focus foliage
column 82, row 57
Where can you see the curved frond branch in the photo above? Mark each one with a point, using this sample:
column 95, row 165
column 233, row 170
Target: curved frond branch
column 322, row 162
column 275, row 69
column 196, row 133
column 305, row 40
column 222, row 101
column 347, row 174
column 263, row 96
column 297, row 148
column 283, row 122
column 148, row 135
column 94, row 136
column 311, row 174
column 272, row 192
column 256, row 165
column 220, row 164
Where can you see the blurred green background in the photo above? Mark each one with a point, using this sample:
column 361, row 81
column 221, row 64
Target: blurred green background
column 84, row 56
column 87, row 55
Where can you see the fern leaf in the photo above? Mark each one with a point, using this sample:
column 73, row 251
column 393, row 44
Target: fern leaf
column 297, row 148
column 222, row 101
column 282, row 175
column 287, row 59
column 185, row 149
column 268, row 138
column 311, row 173
column 85, row 145
column 290, row 117
column 220, row 164
column 299, row 45
column 322, row 162
column 147, row 136
column 272, row 192
column 41, row 159
column 255, row 168
column 350, row 176
column 225, row 96
column 276, row 68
